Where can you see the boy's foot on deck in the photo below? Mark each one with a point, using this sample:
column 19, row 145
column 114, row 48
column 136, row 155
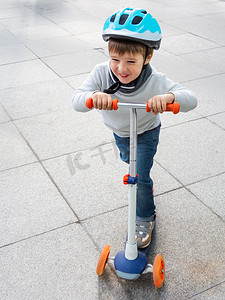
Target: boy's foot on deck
column 144, row 231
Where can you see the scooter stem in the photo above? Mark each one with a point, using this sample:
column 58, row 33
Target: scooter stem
column 131, row 252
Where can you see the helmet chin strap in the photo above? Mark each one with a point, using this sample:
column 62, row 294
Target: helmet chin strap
column 146, row 55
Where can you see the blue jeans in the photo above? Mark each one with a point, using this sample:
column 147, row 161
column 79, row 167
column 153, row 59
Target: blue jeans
column 147, row 143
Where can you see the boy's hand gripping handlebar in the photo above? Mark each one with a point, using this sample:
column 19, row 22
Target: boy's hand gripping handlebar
column 175, row 107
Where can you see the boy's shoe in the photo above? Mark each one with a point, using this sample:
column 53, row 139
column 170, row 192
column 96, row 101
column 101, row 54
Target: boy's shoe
column 144, row 231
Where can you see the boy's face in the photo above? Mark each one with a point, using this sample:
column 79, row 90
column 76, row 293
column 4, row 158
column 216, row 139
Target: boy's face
column 127, row 67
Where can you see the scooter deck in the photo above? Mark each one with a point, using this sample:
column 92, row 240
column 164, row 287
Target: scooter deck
column 145, row 250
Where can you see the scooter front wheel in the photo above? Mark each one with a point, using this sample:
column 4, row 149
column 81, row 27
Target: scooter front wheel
column 103, row 260
column 158, row 271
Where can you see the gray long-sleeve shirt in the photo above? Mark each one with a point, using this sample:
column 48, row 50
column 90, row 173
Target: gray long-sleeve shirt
column 119, row 121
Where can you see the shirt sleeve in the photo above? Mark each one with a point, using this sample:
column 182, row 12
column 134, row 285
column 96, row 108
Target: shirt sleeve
column 185, row 97
column 86, row 90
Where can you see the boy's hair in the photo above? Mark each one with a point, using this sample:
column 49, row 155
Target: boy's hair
column 123, row 46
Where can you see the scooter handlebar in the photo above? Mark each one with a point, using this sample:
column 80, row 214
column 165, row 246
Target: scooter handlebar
column 175, row 107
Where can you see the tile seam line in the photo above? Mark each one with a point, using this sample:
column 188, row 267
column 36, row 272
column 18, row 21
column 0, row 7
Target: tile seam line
column 192, row 52
column 19, row 61
column 204, row 77
column 39, row 234
column 47, row 173
column 202, row 292
column 19, row 41
column 204, row 204
column 126, row 205
column 75, row 52
column 41, row 114
column 47, row 18
column 47, row 159
column 27, row 84
column 187, row 189
column 186, row 31
column 88, row 148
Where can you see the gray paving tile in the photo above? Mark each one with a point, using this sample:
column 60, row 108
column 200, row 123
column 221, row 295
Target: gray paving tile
column 63, row 13
column 99, row 6
column 191, row 266
column 9, row 4
column 92, row 180
column 7, row 38
column 15, row 12
column 210, row 99
column 63, row 132
column 211, row 192
column 168, row 119
column 15, row 53
column 163, row 181
column 74, row 63
column 203, row 27
column 56, row 265
column 207, row 8
column 13, row 75
column 177, row 68
column 77, row 80
column 36, row 98
column 214, row 293
column 196, row 150
column 22, row 21
column 170, row 13
column 109, row 228
column 186, row 43
column 200, row 58
column 168, row 30
column 57, row 46
column 46, row 5
column 87, row 25
column 14, row 150
column 41, row 207
column 39, row 32
column 3, row 116
column 94, row 39
column 218, row 119
column 219, row 17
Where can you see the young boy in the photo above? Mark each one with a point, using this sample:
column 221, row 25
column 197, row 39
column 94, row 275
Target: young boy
column 132, row 34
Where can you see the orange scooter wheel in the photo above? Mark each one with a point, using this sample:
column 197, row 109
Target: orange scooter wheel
column 158, row 271
column 103, row 260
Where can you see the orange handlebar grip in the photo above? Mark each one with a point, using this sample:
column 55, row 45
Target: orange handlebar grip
column 89, row 103
column 175, row 107
column 147, row 108
column 114, row 104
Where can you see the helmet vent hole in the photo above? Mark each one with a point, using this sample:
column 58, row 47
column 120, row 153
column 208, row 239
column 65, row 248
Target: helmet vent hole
column 144, row 12
column 123, row 19
column 113, row 18
column 137, row 20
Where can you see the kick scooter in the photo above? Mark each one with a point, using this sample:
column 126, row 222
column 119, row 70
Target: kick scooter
column 132, row 262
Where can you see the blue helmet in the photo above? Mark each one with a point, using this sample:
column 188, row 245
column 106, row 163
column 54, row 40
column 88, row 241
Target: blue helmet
column 133, row 24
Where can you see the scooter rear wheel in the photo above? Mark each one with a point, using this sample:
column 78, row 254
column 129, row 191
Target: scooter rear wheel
column 103, row 260
column 158, row 271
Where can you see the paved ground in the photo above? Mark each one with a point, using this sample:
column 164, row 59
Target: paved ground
column 61, row 188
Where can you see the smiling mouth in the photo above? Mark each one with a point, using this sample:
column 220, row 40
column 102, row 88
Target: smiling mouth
column 123, row 76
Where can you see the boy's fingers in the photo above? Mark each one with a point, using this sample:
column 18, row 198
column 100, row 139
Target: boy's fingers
column 163, row 107
column 104, row 103
column 99, row 104
column 95, row 103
